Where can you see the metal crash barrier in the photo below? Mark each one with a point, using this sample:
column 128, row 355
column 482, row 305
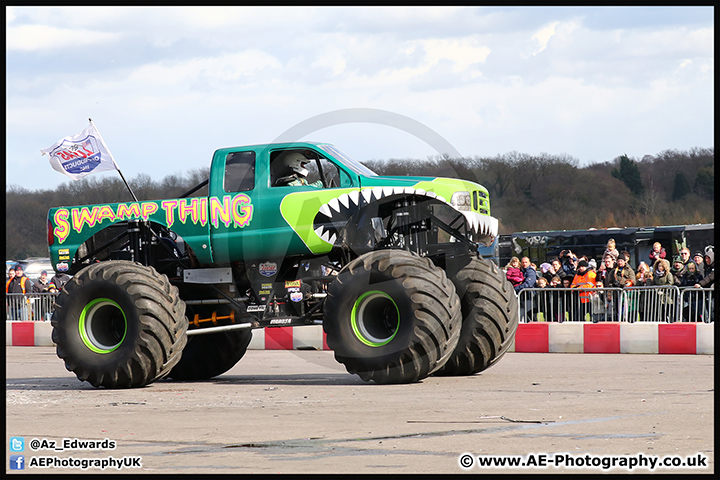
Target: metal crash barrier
column 630, row 304
column 697, row 305
column 31, row 307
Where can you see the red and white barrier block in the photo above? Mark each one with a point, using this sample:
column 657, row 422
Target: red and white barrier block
column 289, row 338
column 28, row 334
column 567, row 337
column 541, row 337
column 39, row 334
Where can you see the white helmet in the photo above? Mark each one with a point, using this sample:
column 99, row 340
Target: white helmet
column 293, row 162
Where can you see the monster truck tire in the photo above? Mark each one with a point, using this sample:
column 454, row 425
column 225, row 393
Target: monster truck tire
column 490, row 318
column 118, row 324
column 392, row 316
column 206, row 356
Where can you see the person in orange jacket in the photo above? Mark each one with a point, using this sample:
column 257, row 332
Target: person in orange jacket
column 19, row 283
column 584, row 278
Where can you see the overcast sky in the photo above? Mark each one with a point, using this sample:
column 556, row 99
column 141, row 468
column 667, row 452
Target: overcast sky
column 166, row 86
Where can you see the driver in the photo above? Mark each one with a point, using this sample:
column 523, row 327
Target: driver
column 291, row 170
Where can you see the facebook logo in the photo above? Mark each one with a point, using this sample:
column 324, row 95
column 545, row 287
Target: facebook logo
column 17, row 462
column 17, row 444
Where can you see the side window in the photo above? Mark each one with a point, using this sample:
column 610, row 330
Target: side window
column 345, row 180
column 281, row 174
column 239, row 172
column 329, row 170
column 286, row 167
column 332, row 176
column 313, row 172
column 295, row 168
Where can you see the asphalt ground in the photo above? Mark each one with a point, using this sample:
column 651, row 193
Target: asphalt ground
column 300, row 412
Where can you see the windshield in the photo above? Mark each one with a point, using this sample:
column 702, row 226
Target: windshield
column 353, row 165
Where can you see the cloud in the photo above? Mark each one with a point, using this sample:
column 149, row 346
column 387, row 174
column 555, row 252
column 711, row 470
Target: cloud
column 216, row 71
column 44, row 37
column 490, row 80
column 461, row 52
column 9, row 15
column 210, row 17
column 543, row 36
column 332, row 58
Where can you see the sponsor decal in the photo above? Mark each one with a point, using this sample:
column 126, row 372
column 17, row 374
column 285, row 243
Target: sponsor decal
column 256, row 308
column 64, row 251
column 296, row 296
column 235, row 211
column 268, row 269
column 62, row 267
column 293, row 284
column 280, row 321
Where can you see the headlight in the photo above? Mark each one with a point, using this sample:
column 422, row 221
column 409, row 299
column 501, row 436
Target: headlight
column 461, row 200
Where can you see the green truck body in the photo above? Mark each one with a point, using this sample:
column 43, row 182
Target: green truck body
column 257, row 220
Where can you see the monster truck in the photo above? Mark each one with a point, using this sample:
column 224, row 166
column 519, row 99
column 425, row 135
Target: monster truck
column 389, row 266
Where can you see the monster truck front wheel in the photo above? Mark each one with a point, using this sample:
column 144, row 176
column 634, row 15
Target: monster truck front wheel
column 118, row 324
column 392, row 316
column 490, row 318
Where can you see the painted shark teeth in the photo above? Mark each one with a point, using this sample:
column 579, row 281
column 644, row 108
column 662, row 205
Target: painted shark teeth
column 333, row 215
column 481, row 224
column 325, row 210
column 326, row 235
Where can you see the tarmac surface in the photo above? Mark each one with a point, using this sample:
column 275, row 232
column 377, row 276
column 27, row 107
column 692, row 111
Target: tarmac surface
column 280, row 411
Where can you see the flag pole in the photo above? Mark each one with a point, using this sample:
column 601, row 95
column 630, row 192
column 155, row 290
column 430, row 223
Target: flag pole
column 117, row 168
column 128, row 186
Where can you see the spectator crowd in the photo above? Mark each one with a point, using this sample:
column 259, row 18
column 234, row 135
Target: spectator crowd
column 23, row 307
column 564, row 272
column 613, row 271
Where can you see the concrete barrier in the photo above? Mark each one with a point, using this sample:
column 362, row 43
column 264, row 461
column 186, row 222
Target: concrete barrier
column 569, row 337
column 564, row 340
column 541, row 337
column 28, row 334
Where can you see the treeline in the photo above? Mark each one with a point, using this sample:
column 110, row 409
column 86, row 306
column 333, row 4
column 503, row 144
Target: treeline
column 551, row 192
column 26, row 210
column 527, row 192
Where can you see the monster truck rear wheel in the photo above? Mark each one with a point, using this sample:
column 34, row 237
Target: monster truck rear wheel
column 118, row 324
column 392, row 316
column 490, row 318
column 209, row 355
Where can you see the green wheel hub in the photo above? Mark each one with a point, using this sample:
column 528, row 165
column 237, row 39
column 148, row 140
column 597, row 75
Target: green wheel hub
column 102, row 325
column 375, row 318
